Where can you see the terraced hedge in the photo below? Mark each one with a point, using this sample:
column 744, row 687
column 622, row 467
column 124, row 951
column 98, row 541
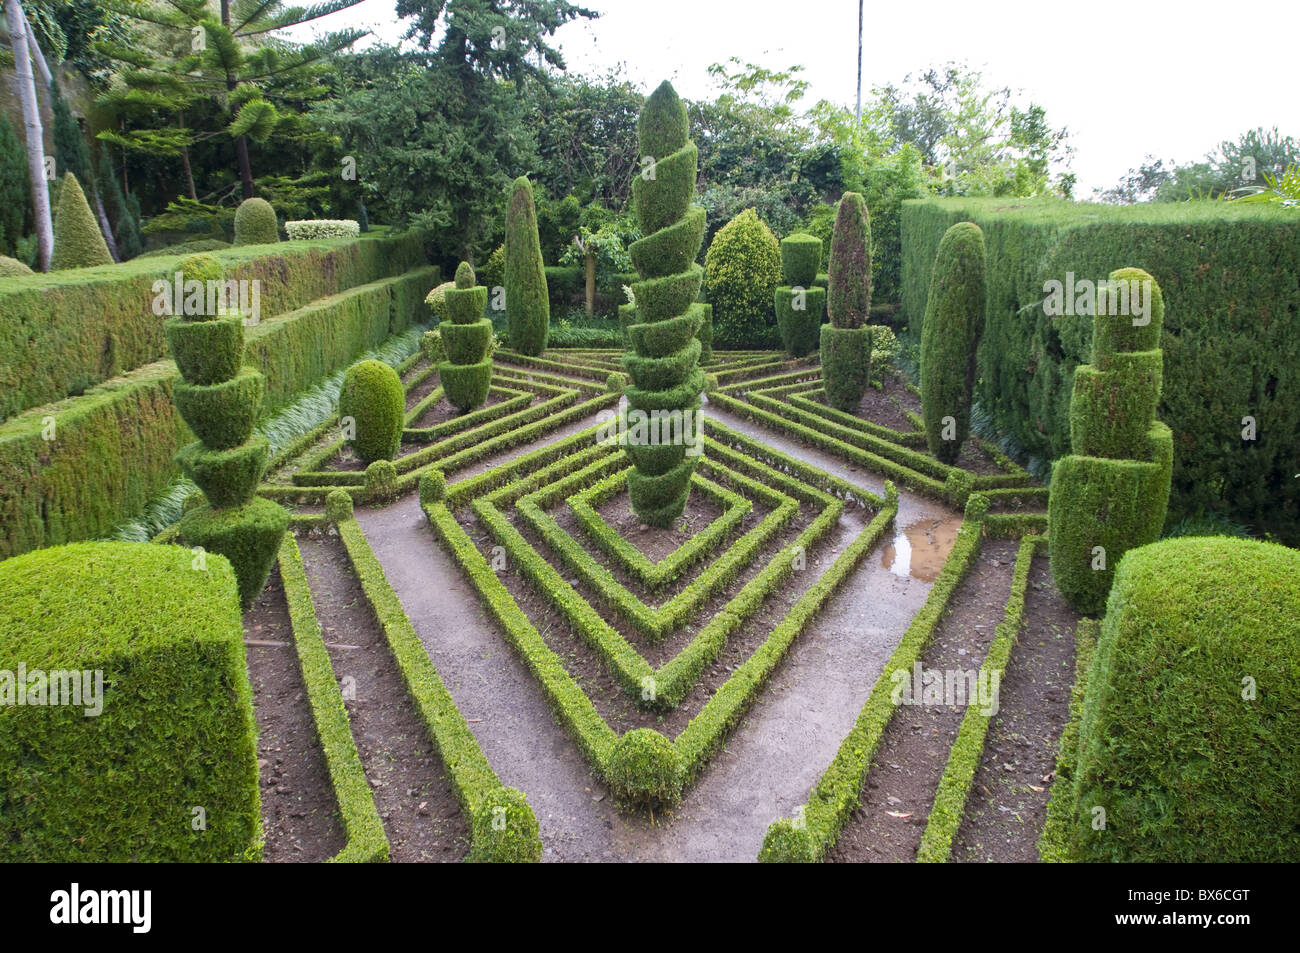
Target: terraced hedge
column 112, row 446
column 1231, row 339
column 62, row 333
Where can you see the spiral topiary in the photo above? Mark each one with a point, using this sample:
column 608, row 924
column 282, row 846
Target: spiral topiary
column 846, row 341
column 466, row 374
column 255, row 223
column 799, row 303
column 372, row 405
column 220, row 402
column 954, row 321
column 528, row 305
column 664, row 363
column 1111, row 493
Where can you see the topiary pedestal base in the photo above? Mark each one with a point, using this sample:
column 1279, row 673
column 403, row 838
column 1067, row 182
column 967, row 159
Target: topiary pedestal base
column 249, row 536
column 846, row 365
column 799, row 321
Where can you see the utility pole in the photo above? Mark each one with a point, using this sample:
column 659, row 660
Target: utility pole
column 857, row 112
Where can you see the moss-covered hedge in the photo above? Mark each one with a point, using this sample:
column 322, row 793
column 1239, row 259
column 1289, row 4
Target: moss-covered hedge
column 176, row 730
column 62, row 333
column 1231, row 339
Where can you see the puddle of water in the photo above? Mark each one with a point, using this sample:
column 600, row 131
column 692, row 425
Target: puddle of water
column 920, row 549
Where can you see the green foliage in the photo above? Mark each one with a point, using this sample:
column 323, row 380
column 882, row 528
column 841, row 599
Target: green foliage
column 187, row 248
column 466, row 385
column 77, row 239
column 338, row 506
column 504, row 830
column 255, row 223
column 743, row 268
column 206, row 351
column 13, row 268
column 846, row 365
column 493, row 274
column 248, row 535
column 644, row 769
column 381, row 481
column 222, row 414
column 801, row 259
column 433, row 486
column 373, row 398
column 124, row 210
column 528, row 308
column 799, row 318
column 177, row 716
column 15, row 189
column 848, row 296
column 954, row 321
column 1187, row 622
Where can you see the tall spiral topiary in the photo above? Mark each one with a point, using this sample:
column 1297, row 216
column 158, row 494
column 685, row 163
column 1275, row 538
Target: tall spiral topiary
column 846, row 341
column 664, row 362
column 255, row 223
column 954, row 321
column 78, row 242
column 220, row 401
column 528, row 305
column 1111, row 493
column 799, row 303
column 466, row 374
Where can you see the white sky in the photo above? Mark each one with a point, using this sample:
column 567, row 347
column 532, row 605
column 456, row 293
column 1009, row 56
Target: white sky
column 1126, row 77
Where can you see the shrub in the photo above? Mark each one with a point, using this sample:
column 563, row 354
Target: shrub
column 801, row 259
column 255, row 223
column 187, row 248
column 176, row 730
column 528, row 309
column 848, row 297
column 644, row 769
column 799, row 303
column 13, row 268
column 468, row 341
column 433, row 486
column 226, row 477
column 431, row 346
column 954, row 320
column 1187, row 622
column 338, row 506
column 615, row 383
column 884, row 347
column 77, row 239
column 705, row 334
column 206, row 351
column 504, row 830
column 372, row 396
column 381, row 480
column 493, row 273
column 322, row 228
column 664, row 361
column 248, row 535
column 437, row 304
column 742, row 269
column 1111, row 494
column 846, row 365
column 222, row 415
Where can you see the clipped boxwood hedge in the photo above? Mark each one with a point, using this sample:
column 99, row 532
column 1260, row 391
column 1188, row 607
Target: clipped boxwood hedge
column 176, row 730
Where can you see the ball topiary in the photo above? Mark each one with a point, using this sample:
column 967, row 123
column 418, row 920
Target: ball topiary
column 255, row 223
column 528, row 306
column 954, row 321
column 504, row 830
column 78, row 242
column 645, row 770
column 742, row 270
column 1187, row 731
column 1110, row 494
column 846, row 342
column 372, row 408
column 338, row 506
column 13, row 268
column 467, row 340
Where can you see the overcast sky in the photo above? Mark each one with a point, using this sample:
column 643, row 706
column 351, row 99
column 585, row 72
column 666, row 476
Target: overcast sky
column 1126, row 77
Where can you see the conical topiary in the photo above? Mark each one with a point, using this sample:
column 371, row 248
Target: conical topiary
column 846, row 341
column 220, row 401
column 528, row 307
column 954, row 321
column 466, row 374
column 1111, row 493
column 78, row 242
column 664, row 364
column 799, row 303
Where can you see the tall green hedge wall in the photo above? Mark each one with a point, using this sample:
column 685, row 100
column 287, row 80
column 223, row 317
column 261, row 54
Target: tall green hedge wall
column 112, row 446
column 1231, row 339
column 61, row 333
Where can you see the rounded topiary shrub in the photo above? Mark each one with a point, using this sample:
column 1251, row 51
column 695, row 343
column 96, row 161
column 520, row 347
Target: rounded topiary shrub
column 741, row 271
column 373, row 399
column 801, row 257
column 436, row 302
column 381, row 480
column 338, row 506
column 255, row 223
column 433, row 486
column 504, row 830
column 78, row 242
column 175, row 721
column 1187, row 733
column 13, row 268
column 644, row 769
column 248, row 535
column 226, row 477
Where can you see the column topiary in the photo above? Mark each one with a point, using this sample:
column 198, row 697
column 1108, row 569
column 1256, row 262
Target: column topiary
column 466, row 374
column 954, row 321
column 220, row 401
column 664, row 361
column 528, row 305
column 1111, row 493
column 373, row 404
column 846, row 341
column 255, row 223
column 78, row 242
column 799, row 303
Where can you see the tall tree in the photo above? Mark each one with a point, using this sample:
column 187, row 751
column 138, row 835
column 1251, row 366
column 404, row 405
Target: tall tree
column 18, row 38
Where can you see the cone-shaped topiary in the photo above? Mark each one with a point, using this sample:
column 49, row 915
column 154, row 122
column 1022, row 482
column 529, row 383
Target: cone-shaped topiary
column 742, row 269
column 466, row 374
column 1111, row 493
column 954, row 321
column 78, row 242
column 846, row 341
column 372, row 407
column 255, row 223
column 528, row 306
column 221, row 402
column 799, row 303
column 664, row 361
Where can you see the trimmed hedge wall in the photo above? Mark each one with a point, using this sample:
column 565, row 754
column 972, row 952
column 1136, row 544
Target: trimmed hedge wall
column 112, row 447
column 176, row 720
column 1231, row 340
column 61, row 333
